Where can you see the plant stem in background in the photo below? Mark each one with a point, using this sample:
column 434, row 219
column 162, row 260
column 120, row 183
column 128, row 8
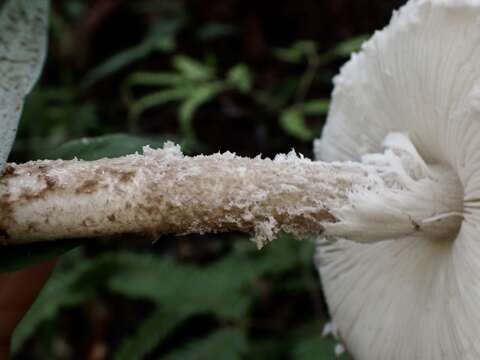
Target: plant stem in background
column 307, row 78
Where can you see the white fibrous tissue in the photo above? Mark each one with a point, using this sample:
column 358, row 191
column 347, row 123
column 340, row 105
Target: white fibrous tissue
column 409, row 194
column 163, row 191
column 386, row 195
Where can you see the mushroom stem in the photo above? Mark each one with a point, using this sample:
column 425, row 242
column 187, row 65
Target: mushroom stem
column 165, row 192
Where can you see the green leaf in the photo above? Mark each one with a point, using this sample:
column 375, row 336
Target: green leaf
column 110, row 146
column 316, row 107
column 345, row 48
column 280, row 256
column 51, row 117
column 297, row 53
column 161, row 39
column 155, row 79
column 23, row 29
column 224, row 344
column 157, row 99
column 145, row 78
column 292, row 122
column 315, row 347
column 240, row 77
column 192, row 69
column 117, row 62
column 268, row 348
column 152, row 331
column 188, row 107
column 71, row 284
column 59, row 292
column 221, row 289
column 214, row 31
column 289, row 55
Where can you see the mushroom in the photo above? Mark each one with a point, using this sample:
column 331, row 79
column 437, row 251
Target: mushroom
column 396, row 198
column 413, row 89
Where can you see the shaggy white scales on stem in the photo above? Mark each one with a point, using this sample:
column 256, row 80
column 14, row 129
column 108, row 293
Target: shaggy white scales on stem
column 164, row 192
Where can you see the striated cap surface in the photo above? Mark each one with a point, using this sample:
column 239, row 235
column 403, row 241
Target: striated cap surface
column 413, row 298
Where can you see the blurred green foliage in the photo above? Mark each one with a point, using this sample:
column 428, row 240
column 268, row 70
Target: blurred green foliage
column 52, row 116
column 227, row 291
column 122, row 75
column 191, row 84
column 160, row 38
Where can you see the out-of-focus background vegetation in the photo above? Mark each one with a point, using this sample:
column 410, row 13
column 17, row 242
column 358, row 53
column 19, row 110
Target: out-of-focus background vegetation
column 253, row 77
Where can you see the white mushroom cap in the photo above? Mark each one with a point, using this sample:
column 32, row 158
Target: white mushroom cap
column 417, row 297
